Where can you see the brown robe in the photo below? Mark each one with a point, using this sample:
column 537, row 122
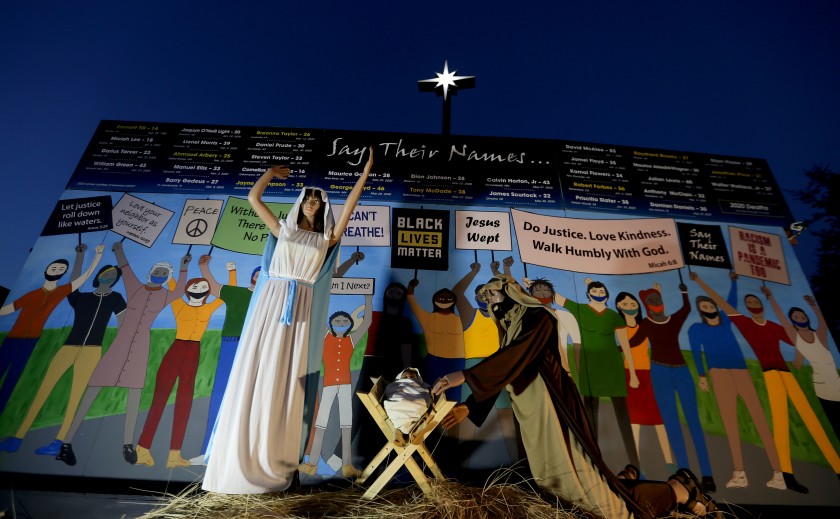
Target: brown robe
column 532, row 353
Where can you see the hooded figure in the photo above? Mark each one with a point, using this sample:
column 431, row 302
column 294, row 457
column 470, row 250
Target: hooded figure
column 563, row 454
column 256, row 445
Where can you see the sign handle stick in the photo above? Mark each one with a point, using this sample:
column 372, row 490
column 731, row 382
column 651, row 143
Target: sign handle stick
column 475, row 254
column 189, row 249
column 525, row 266
column 415, row 274
column 210, row 253
column 80, row 238
column 679, row 272
column 357, row 250
column 123, row 239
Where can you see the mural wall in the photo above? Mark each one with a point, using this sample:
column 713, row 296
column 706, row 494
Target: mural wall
column 685, row 318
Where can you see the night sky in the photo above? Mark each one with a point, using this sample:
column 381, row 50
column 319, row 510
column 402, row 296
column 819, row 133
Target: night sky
column 756, row 79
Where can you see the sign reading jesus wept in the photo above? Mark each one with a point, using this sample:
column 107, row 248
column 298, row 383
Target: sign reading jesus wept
column 241, row 230
column 482, row 230
column 598, row 246
column 198, row 222
column 758, row 255
column 139, row 220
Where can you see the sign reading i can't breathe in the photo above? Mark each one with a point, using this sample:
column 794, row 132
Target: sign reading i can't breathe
column 420, row 239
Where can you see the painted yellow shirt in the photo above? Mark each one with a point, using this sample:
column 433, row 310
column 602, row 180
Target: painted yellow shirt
column 191, row 321
column 481, row 338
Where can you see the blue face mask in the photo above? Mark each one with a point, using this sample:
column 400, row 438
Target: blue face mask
column 158, row 280
column 630, row 311
column 802, row 324
column 598, row 299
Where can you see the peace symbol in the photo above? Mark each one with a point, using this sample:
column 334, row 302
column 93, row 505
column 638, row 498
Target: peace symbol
column 196, row 228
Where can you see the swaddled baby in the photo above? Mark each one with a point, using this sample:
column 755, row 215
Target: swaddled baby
column 406, row 400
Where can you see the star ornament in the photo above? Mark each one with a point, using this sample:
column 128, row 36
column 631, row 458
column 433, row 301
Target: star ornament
column 445, row 81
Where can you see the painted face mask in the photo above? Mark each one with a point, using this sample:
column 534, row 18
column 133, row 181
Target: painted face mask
column 158, row 280
column 198, row 295
column 801, row 324
column 656, row 309
column 710, row 315
column 632, row 312
column 598, row 299
column 756, row 311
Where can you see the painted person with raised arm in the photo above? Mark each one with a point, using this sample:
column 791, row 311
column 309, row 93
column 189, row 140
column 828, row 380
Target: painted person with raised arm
column 256, row 445
column 81, row 350
column 35, row 308
column 236, row 300
column 599, row 363
column 125, row 363
column 799, row 336
column 712, row 338
column 671, row 377
column 764, row 337
column 812, row 345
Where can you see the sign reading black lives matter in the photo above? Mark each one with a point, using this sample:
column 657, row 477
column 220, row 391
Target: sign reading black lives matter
column 79, row 215
column 420, row 239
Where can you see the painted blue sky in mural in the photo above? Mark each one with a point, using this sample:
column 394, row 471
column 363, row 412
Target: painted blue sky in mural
column 753, row 79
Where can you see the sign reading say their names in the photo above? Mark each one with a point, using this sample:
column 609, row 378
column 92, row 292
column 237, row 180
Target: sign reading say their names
column 703, row 245
column 79, row 215
column 482, row 230
column 139, row 220
column 198, row 222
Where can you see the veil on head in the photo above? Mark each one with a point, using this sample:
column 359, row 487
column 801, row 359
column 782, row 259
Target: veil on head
column 290, row 223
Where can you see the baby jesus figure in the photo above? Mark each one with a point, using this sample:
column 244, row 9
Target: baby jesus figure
column 406, row 401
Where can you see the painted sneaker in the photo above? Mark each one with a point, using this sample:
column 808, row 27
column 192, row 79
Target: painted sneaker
column 129, row 453
column 50, row 449
column 739, row 480
column 349, row 471
column 66, row 454
column 144, row 457
column 308, row 469
column 176, row 460
column 10, row 444
column 778, row 482
column 792, row 484
column 198, row 460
